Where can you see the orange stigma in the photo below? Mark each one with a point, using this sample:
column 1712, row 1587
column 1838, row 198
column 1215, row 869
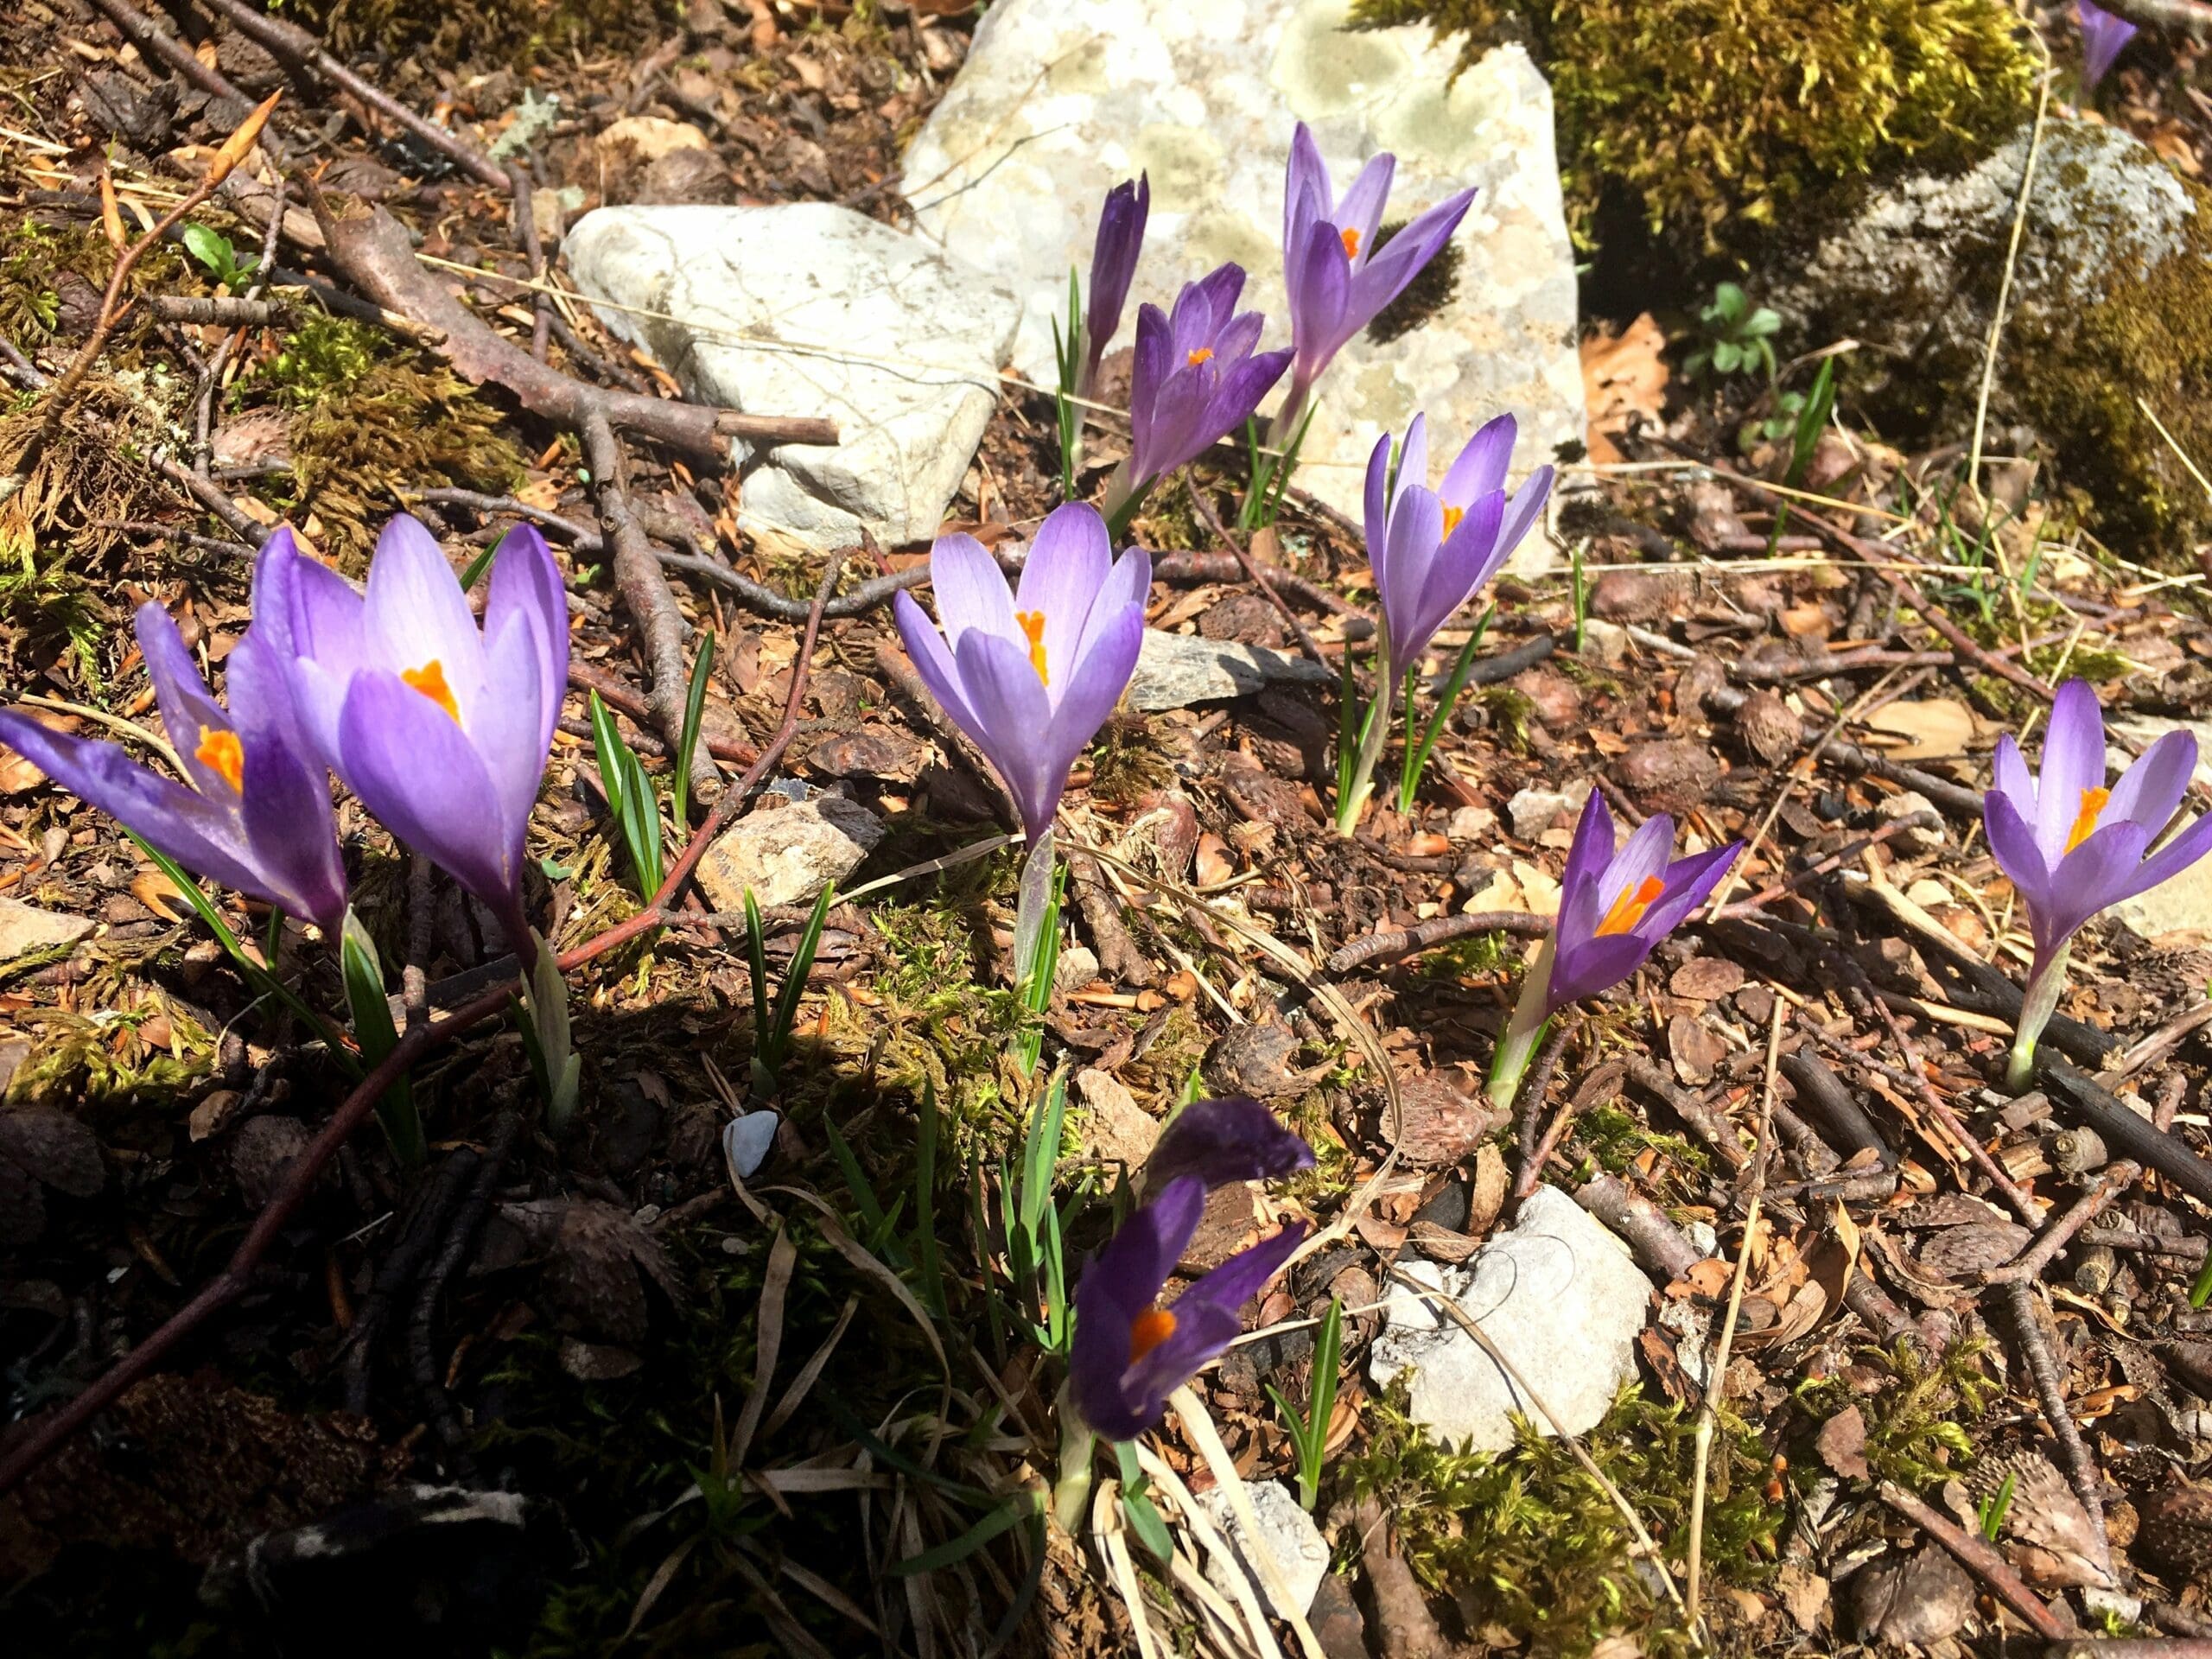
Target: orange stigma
column 222, row 753
column 1351, row 244
column 431, row 680
column 2093, row 801
column 1032, row 623
column 1147, row 1331
column 1628, row 909
column 1451, row 517
column 1204, row 354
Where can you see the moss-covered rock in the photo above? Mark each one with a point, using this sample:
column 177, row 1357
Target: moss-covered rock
column 1715, row 116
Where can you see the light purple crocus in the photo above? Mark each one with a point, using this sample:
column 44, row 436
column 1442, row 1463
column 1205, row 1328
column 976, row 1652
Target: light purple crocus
column 1432, row 550
column 256, row 814
column 1614, row 907
column 1113, row 264
column 1031, row 676
column 1129, row 1353
column 1339, row 282
column 2072, row 847
column 440, row 726
column 2104, row 37
column 1196, row 379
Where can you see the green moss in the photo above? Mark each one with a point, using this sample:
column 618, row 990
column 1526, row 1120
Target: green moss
column 1917, row 1416
column 1527, row 1539
column 1128, row 761
column 1427, row 294
column 1478, row 955
column 1714, row 116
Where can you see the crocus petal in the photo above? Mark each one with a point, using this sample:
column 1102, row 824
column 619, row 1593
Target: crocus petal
column 971, row 593
column 1012, row 714
column 1238, row 336
column 1527, row 504
column 1688, row 882
column 1069, row 559
column 1377, row 504
column 1593, row 965
column 1386, row 275
column 1238, row 394
column 1587, row 855
column 315, row 622
column 1114, row 257
column 1102, row 674
column 2013, row 843
column 1317, row 316
column 1481, row 466
column 933, row 661
column 416, row 770
column 1306, row 195
column 2188, row 845
column 1234, row 1138
column 1207, row 1318
column 510, row 733
column 1121, row 1282
column 2151, row 789
column 1413, row 461
column 1641, row 858
column 526, row 585
column 2010, row 770
column 2073, row 763
column 1128, row 585
column 1361, row 208
column 415, row 614
column 1416, row 532
column 2102, row 870
column 1462, row 563
column 188, row 709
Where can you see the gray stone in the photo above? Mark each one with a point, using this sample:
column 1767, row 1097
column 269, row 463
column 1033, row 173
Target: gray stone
column 1177, row 669
column 1119, row 1131
column 25, row 928
column 1902, row 804
column 1562, row 1299
column 788, row 856
column 748, row 1140
column 807, row 309
column 1604, row 643
column 1059, row 100
column 1077, row 967
column 1301, row 1555
column 1534, row 810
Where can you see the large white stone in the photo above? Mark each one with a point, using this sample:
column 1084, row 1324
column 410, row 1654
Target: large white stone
column 1059, row 100
column 806, row 309
column 1559, row 1296
column 1301, row 1553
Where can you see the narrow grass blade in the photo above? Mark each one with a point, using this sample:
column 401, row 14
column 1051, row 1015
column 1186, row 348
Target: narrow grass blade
column 694, row 708
column 374, row 1031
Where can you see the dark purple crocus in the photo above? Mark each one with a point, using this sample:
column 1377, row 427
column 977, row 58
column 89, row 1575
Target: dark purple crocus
column 1113, row 264
column 1337, row 280
column 2072, row 847
column 1031, row 676
column 2104, row 37
column 1614, row 907
column 1196, row 379
column 1129, row 1353
column 256, row 815
column 441, row 728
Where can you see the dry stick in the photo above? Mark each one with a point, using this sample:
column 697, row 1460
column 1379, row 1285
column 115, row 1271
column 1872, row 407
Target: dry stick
column 1442, row 931
column 2029, row 1266
column 1765, row 896
column 460, row 1234
column 1953, row 797
column 1709, row 1410
column 2123, row 1647
column 1536, row 1153
column 2123, row 1130
column 1198, row 1423
column 1244, row 559
column 39, row 1442
column 153, row 40
column 1980, row 1557
column 616, row 695
column 2050, row 1389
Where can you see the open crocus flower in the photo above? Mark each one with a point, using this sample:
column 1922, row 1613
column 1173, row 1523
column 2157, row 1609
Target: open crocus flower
column 1614, row 910
column 1129, row 1353
column 256, row 815
column 1113, row 264
column 1432, row 550
column 2104, row 37
column 1196, row 379
column 1032, row 675
column 2071, row 846
column 441, row 728
column 1338, row 281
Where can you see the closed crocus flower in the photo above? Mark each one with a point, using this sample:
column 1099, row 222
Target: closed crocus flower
column 442, row 728
column 2104, row 37
column 1196, row 379
column 1113, row 264
column 1614, row 907
column 1031, row 675
column 2072, row 845
column 256, row 815
column 1339, row 282
column 1128, row 1352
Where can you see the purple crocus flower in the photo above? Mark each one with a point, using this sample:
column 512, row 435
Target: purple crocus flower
column 1336, row 279
column 1113, row 264
column 1032, row 675
column 1614, row 907
column 1432, row 550
column 256, row 815
column 2071, row 846
column 1129, row 1353
column 1196, row 379
column 2104, row 37
column 442, row 728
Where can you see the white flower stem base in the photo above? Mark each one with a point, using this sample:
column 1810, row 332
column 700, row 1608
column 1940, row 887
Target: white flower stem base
column 2045, row 981
column 1352, row 799
column 1525, row 1032
column 1071, row 1491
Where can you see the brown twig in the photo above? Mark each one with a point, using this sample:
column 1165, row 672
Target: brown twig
column 1660, row 1245
column 2028, row 1265
column 1427, row 936
column 153, row 40
column 460, row 1234
column 1836, row 860
column 616, row 695
column 2123, row 1130
column 1534, row 1152
column 1980, row 1557
column 1252, row 571
column 2051, row 1389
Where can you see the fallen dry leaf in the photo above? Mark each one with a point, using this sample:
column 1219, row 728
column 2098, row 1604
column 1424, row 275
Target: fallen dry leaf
column 1623, row 381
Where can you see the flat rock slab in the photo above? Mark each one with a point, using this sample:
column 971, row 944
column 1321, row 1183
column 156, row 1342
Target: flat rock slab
column 1059, row 100
column 1559, row 1297
column 1177, row 669
column 787, row 856
column 25, row 928
column 807, row 309
column 1301, row 1555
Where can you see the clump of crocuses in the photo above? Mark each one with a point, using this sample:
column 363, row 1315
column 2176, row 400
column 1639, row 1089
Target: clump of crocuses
column 1614, row 908
column 1129, row 1352
column 2072, row 845
column 1431, row 551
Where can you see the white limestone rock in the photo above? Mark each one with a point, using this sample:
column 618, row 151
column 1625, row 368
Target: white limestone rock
column 25, row 928
column 1559, row 1296
column 786, row 857
column 1177, row 669
column 1301, row 1553
column 808, row 308
column 1060, row 99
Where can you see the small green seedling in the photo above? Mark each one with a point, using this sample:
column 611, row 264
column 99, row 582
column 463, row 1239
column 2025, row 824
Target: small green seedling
column 1067, row 356
column 630, row 798
column 374, row 1031
column 771, row 1028
column 1993, row 1509
column 2201, row 1291
column 1737, row 337
column 224, row 262
column 1310, row 1433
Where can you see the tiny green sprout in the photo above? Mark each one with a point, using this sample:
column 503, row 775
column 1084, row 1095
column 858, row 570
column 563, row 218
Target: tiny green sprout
column 1994, row 1508
column 1067, row 356
column 2201, row 1291
column 1581, row 596
column 1309, row 1433
column 630, row 801
column 1736, row 337
column 223, row 261
column 771, row 1028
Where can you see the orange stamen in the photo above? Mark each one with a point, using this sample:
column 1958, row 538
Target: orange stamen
column 1351, row 244
column 1032, row 623
column 1204, row 354
column 1628, row 909
column 431, row 680
column 2093, row 801
column 1147, row 1331
column 222, row 753
column 1451, row 517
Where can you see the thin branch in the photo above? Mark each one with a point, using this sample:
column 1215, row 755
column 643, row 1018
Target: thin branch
column 1980, row 1557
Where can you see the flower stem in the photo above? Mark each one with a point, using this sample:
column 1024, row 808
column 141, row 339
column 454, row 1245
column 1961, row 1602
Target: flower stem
column 1071, row 1491
column 1525, row 1032
column 1123, row 497
column 2045, row 981
column 1356, row 785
